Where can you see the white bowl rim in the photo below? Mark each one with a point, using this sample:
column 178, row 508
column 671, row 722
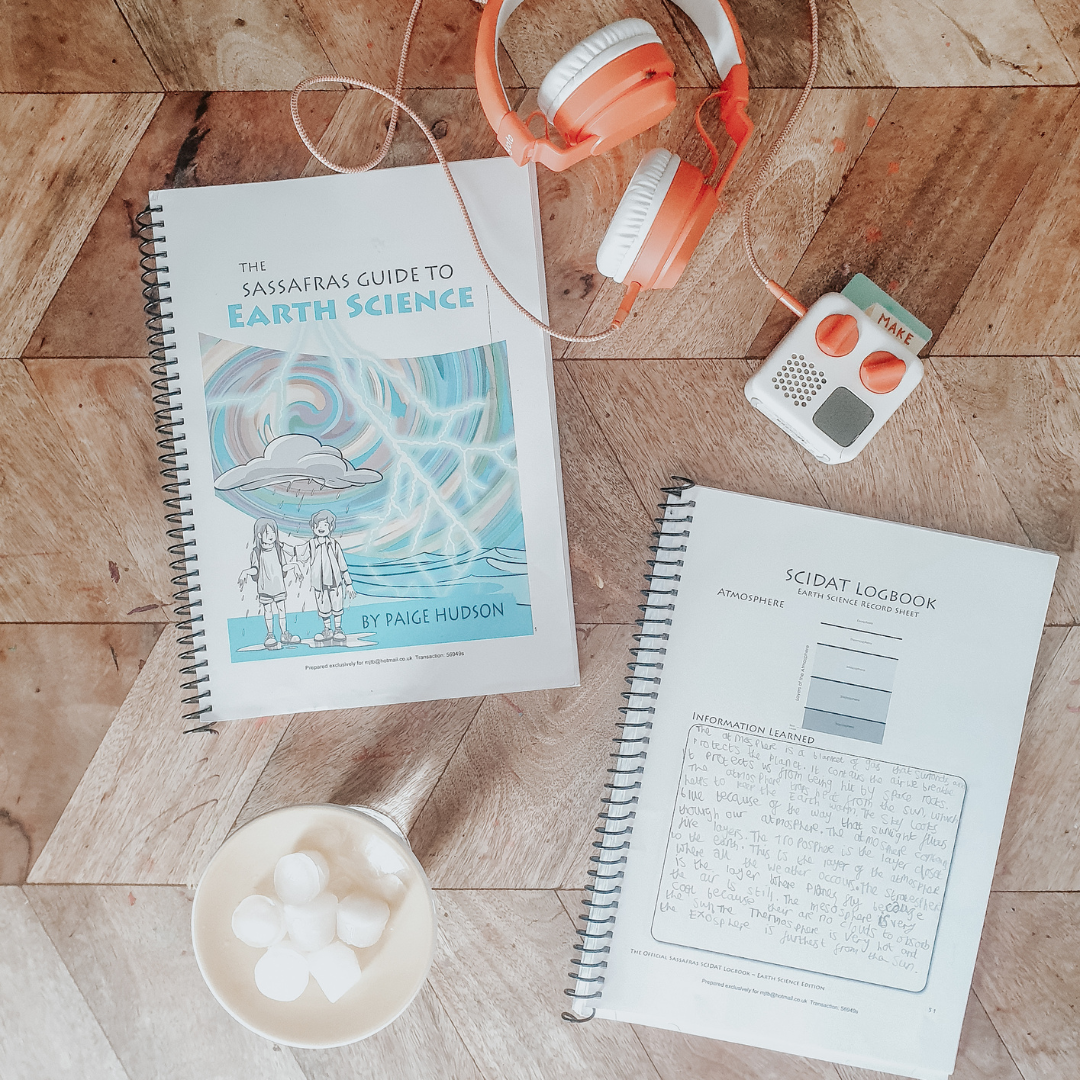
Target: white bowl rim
column 381, row 821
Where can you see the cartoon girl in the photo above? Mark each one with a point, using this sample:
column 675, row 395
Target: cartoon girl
column 267, row 570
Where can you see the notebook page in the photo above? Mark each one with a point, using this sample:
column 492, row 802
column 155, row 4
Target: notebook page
column 828, row 769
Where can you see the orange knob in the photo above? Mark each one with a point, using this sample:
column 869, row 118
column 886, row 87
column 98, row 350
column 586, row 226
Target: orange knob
column 837, row 335
column 881, row 372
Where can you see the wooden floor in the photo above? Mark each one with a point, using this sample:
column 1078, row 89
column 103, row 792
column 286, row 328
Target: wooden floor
column 940, row 155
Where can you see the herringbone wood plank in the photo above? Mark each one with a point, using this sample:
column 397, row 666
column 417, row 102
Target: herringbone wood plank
column 193, row 139
column 977, row 237
column 52, row 46
column 64, row 559
column 1028, row 967
column 62, row 155
column 110, row 936
column 206, row 45
column 1021, row 301
column 63, row 685
column 46, row 1025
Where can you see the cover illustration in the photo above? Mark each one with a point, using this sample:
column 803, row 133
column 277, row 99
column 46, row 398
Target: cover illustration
column 382, row 496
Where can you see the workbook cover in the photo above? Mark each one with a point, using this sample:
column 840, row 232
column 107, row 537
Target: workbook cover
column 370, row 440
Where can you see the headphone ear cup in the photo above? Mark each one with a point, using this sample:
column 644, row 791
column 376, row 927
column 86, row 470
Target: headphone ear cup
column 658, row 224
column 615, row 84
column 635, row 213
column 587, row 57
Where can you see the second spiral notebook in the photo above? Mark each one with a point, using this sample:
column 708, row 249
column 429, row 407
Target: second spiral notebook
column 801, row 823
column 359, row 441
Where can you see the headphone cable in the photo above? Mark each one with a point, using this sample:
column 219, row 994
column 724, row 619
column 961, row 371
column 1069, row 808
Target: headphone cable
column 779, row 291
column 399, row 106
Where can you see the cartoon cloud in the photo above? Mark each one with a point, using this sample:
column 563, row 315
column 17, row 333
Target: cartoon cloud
column 292, row 458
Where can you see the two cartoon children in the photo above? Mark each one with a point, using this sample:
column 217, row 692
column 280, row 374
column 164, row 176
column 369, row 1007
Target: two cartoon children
column 328, row 574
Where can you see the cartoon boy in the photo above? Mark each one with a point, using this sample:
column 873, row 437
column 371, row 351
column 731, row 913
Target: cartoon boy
column 267, row 570
column 329, row 577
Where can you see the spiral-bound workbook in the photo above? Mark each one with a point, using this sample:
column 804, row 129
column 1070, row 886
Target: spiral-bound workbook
column 804, row 813
column 360, row 451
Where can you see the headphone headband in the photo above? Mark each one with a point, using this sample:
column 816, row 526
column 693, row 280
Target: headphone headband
column 714, row 21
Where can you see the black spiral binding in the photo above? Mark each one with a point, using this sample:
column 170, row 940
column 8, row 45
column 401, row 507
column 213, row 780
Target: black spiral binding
column 646, row 672
column 168, row 419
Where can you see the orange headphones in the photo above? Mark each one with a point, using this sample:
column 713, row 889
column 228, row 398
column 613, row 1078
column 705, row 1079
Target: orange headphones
column 614, row 85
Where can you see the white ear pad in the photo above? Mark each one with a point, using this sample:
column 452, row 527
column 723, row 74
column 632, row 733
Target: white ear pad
column 636, row 212
column 715, row 27
column 587, row 57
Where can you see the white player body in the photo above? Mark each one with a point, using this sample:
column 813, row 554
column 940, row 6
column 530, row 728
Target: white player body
column 834, row 380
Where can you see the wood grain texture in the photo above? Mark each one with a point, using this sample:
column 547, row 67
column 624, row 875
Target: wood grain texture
column 777, row 42
column 364, row 41
column 1053, row 637
column 63, row 559
column 245, row 45
column 62, row 687
column 359, row 126
column 689, row 1057
column 1028, row 980
column 62, row 156
column 1022, row 299
column 1040, row 844
column 55, row 47
column 1025, row 415
column 571, row 900
column 500, row 971
column 387, row 757
column 926, row 198
column 690, row 417
column 607, row 525
column 1064, row 22
column 981, row 1054
column 537, row 36
column 129, row 952
column 193, row 139
column 422, row 1043
column 155, row 804
column 963, row 43
column 718, row 305
column 923, row 468
column 46, row 1027
column 530, row 767
column 88, row 397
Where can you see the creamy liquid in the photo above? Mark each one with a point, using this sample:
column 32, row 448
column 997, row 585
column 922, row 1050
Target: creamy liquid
column 393, row 969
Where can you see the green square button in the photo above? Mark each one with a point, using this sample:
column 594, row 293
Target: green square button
column 843, row 416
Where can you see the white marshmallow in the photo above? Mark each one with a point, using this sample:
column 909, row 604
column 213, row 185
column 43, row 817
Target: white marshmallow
column 259, row 921
column 312, row 925
column 361, row 920
column 336, row 969
column 390, row 887
column 300, row 877
column 281, row 973
column 383, row 856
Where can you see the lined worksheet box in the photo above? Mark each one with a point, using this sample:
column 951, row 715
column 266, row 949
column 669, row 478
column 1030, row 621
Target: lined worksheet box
column 808, row 858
